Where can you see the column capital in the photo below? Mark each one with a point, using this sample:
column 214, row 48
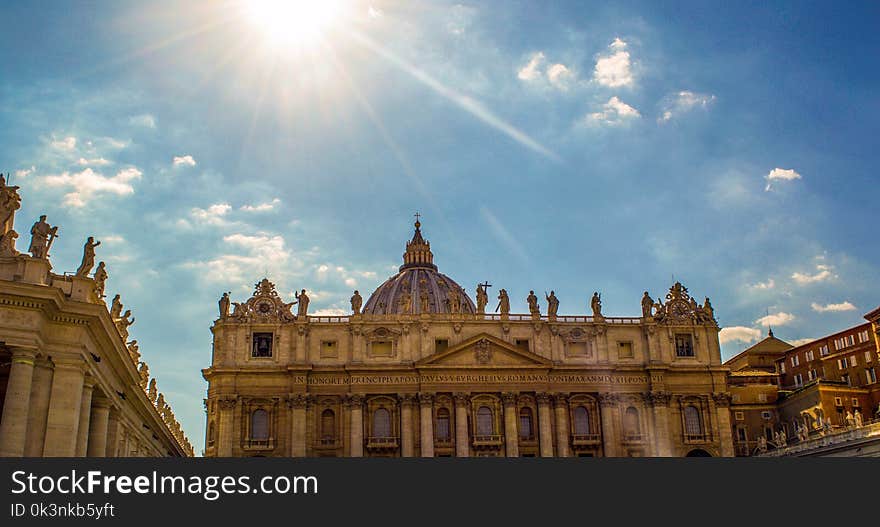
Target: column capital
column 722, row 399
column 353, row 400
column 461, row 398
column 89, row 382
column 509, row 398
column 23, row 355
column 657, row 398
column 543, row 397
column 608, row 399
column 426, row 399
column 99, row 401
column 69, row 363
column 560, row 399
column 297, row 400
column 407, row 399
column 228, row 402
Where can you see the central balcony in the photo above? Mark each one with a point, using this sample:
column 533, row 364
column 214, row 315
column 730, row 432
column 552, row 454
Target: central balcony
column 382, row 443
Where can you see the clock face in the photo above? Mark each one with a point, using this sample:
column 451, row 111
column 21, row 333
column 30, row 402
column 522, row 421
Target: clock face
column 264, row 308
column 680, row 310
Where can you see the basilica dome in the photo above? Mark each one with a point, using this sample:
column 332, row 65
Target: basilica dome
column 418, row 287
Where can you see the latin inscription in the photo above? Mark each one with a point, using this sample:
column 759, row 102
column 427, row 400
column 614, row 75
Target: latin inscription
column 469, row 378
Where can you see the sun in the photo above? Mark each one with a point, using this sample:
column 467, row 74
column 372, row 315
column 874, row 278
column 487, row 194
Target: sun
column 293, row 22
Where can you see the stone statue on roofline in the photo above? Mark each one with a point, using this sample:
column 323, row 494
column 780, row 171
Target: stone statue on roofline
column 532, row 301
column 356, row 302
column 144, row 373
column 647, row 305
column 88, row 259
column 7, row 243
column 503, row 303
column 42, row 236
column 10, row 201
column 152, row 393
column 223, row 304
column 303, row 300
column 552, row 304
column 596, row 305
column 482, row 298
column 100, row 279
column 133, row 351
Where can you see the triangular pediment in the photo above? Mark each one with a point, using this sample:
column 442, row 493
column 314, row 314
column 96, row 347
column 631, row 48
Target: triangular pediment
column 484, row 350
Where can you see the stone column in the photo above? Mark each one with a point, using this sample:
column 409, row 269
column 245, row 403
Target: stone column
column 224, row 429
column 98, row 427
column 357, row 425
column 65, row 403
column 511, row 437
column 16, row 405
column 462, row 441
column 608, row 406
column 407, row 448
column 426, row 401
column 85, row 415
column 545, row 432
column 298, row 405
column 562, row 427
column 41, row 391
column 113, row 432
column 725, row 434
column 660, row 402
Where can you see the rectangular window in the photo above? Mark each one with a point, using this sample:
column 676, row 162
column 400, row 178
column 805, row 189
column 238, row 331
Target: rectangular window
column 855, row 402
column 329, row 349
column 811, row 375
column 809, row 355
column 871, row 375
column 798, row 379
column 262, row 345
column 741, row 434
column 441, row 345
column 625, row 350
column 842, row 364
column 381, row 348
column 867, row 357
column 838, row 401
column 863, row 336
column 853, row 362
column 522, row 344
column 850, row 340
column 794, row 360
column 684, row 345
column 845, row 378
column 823, row 349
column 740, row 416
column 766, row 415
column 782, row 367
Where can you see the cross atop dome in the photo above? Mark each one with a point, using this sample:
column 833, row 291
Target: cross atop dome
column 418, row 250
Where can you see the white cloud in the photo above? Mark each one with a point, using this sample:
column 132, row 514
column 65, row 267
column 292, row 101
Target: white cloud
column 780, row 174
column 799, row 342
column 84, row 185
column 213, row 215
column 531, row 70
column 740, row 334
column 614, row 112
column 374, row 12
column 684, row 101
column 330, row 312
column 843, row 306
column 25, row 172
column 254, row 254
column 769, row 284
column 66, row 144
column 111, row 238
column 146, row 120
column 262, row 207
column 98, row 162
column 823, row 272
column 559, row 76
column 614, row 70
column 186, row 160
column 776, row 319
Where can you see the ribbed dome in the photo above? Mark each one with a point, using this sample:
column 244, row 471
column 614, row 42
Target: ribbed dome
column 418, row 285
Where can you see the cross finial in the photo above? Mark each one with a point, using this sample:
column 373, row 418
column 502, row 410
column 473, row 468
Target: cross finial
column 418, row 223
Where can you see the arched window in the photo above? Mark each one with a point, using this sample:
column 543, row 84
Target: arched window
column 328, row 424
column 581, row 421
column 260, row 425
column 631, row 423
column 693, row 425
column 442, row 424
column 485, row 426
column 381, row 423
column 525, row 423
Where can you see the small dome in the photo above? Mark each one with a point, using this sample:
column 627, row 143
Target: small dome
column 418, row 285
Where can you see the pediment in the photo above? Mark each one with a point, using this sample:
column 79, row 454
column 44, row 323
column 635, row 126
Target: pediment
column 484, row 350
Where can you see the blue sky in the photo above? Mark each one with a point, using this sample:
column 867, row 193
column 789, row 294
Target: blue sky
column 574, row 146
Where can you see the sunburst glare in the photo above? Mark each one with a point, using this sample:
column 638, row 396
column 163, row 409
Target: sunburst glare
column 293, row 22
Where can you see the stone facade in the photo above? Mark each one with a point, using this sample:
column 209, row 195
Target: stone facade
column 425, row 371
column 70, row 385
